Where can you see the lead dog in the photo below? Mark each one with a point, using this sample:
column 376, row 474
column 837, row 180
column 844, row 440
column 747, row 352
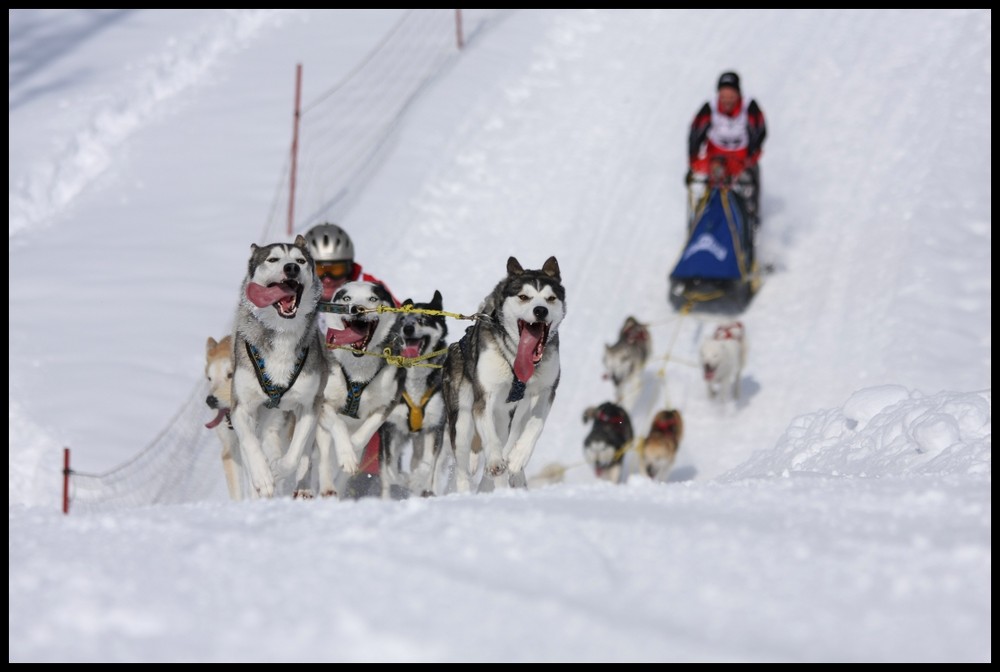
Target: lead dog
column 278, row 364
column 659, row 449
column 420, row 419
column 362, row 387
column 723, row 356
column 609, row 439
column 625, row 359
column 219, row 372
column 500, row 379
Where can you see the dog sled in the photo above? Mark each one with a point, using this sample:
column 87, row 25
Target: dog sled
column 717, row 265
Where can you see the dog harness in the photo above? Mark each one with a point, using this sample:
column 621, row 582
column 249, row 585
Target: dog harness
column 666, row 425
column 516, row 387
column 636, row 334
column 354, row 390
column 416, row 418
column 273, row 391
column 728, row 331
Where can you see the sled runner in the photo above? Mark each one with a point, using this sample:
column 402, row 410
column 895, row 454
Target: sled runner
column 717, row 264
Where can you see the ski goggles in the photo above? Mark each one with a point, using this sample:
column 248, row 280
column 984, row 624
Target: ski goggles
column 335, row 269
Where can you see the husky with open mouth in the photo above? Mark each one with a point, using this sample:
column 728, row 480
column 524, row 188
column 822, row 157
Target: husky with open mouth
column 500, row 379
column 278, row 365
column 362, row 386
column 419, row 420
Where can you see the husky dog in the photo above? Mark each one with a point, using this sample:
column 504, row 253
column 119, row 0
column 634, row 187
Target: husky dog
column 278, row 363
column 624, row 361
column 722, row 358
column 609, row 439
column 362, row 387
column 659, row 450
column 500, row 379
column 419, row 419
column 219, row 372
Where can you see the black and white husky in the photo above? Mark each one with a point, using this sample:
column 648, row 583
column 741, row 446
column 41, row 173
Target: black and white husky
column 362, row 386
column 278, row 364
column 419, row 420
column 500, row 379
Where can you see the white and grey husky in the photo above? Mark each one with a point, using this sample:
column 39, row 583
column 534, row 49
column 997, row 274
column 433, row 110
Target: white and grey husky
column 419, row 420
column 500, row 379
column 362, row 387
column 625, row 359
column 278, row 364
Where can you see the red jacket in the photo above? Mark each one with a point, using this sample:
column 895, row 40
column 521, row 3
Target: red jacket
column 738, row 135
column 359, row 274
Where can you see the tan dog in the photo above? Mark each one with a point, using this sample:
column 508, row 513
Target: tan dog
column 625, row 360
column 659, row 450
column 219, row 371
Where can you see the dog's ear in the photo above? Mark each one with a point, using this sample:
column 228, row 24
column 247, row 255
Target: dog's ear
column 408, row 302
column 588, row 414
column 437, row 302
column 551, row 268
column 514, row 267
column 300, row 241
column 489, row 305
column 383, row 295
column 210, row 344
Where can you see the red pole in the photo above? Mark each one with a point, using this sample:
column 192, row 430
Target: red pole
column 458, row 28
column 295, row 147
column 66, row 473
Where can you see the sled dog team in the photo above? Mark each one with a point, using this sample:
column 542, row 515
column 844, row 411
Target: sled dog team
column 295, row 408
column 722, row 356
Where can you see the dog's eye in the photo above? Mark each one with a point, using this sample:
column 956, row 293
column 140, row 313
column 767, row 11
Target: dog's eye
column 524, row 297
column 229, row 375
column 551, row 299
column 271, row 260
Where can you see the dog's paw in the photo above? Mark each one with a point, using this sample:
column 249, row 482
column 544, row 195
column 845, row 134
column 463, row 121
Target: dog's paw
column 328, row 493
column 282, row 468
column 303, row 493
column 350, row 465
column 496, row 467
column 262, row 480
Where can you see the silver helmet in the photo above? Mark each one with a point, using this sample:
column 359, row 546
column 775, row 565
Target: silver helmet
column 329, row 242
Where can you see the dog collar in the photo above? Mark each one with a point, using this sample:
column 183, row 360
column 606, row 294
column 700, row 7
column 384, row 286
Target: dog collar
column 338, row 308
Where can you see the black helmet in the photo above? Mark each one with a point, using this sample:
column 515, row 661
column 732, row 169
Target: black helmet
column 730, row 79
column 329, row 242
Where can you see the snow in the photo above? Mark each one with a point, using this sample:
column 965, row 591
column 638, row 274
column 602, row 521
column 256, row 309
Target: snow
column 840, row 512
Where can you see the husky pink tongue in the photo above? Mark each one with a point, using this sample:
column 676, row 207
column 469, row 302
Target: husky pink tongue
column 262, row 296
column 411, row 350
column 344, row 336
column 218, row 418
column 524, row 361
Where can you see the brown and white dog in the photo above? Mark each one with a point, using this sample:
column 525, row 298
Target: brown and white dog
column 659, row 450
column 723, row 356
column 219, row 372
column 625, row 360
